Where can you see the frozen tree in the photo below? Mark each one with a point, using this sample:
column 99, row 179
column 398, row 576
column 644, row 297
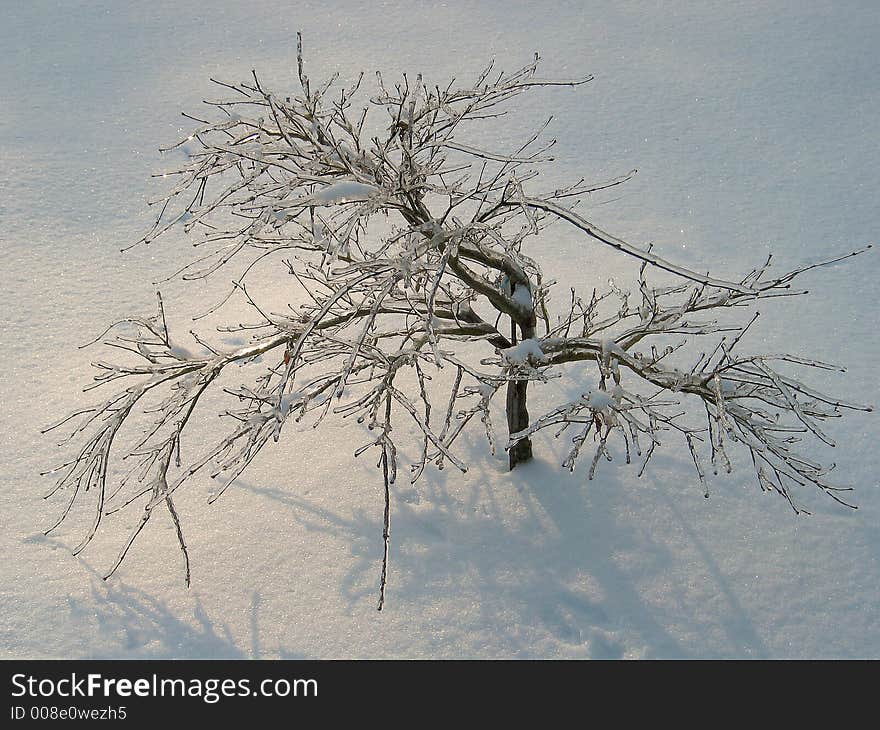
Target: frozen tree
column 418, row 309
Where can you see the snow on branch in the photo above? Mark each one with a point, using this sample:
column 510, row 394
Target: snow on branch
column 420, row 305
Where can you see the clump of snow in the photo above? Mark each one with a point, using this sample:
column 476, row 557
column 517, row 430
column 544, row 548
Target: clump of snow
column 522, row 296
column 599, row 399
column 523, row 352
column 343, row 192
column 610, row 347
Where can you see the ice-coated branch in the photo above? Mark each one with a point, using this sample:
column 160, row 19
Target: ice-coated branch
column 748, row 404
column 415, row 298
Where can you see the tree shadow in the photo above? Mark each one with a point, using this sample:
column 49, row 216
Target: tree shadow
column 132, row 623
column 532, row 563
column 542, row 560
column 141, row 626
column 736, row 621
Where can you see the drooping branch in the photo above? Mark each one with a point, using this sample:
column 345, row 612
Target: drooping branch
column 415, row 291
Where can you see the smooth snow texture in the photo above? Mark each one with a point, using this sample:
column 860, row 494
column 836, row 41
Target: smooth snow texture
column 753, row 126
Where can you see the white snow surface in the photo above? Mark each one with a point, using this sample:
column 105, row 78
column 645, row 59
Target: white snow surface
column 753, row 126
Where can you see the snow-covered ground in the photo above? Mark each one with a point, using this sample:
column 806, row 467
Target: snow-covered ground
column 753, row 126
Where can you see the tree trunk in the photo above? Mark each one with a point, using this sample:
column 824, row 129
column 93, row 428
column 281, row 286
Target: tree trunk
column 517, row 420
column 517, row 411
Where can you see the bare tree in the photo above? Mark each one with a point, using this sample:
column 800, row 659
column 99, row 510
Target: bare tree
column 421, row 306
